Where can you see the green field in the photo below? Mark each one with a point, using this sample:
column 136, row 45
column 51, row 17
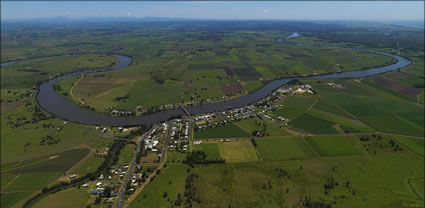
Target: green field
column 415, row 145
column 312, row 124
column 32, row 181
column 6, row 178
column 175, row 157
column 333, row 145
column 126, row 154
column 270, row 186
column 26, row 74
column 284, row 148
column 151, row 157
column 348, row 124
column 225, row 131
column 56, row 163
column 211, row 149
column 375, row 107
column 10, row 199
column 238, row 151
column 170, row 180
column 252, row 86
column 17, row 145
column 325, row 106
column 72, row 197
column 203, row 84
column 295, row 105
column 256, row 124
column 88, row 166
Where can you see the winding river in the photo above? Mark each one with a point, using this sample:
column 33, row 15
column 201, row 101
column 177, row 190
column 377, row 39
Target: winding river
column 55, row 104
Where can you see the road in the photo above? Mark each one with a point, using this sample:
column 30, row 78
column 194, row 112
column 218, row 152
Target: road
column 190, row 134
column 160, row 165
column 130, row 171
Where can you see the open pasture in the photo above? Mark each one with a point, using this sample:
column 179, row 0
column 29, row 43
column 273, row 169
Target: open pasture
column 284, row 148
column 285, row 183
column 6, row 178
column 171, row 180
column 56, row 163
column 238, row 151
column 90, row 165
column 151, row 157
column 175, row 157
column 148, row 93
column 415, row 145
column 256, row 124
column 347, row 124
column 326, row 106
column 11, row 198
column 210, row 149
column 252, row 86
column 203, row 84
column 313, row 124
column 126, row 154
column 68, row 198
column 225, row 131
column 24, row 141
column 27, row 74
column 32, row 181
column 295, row 105
column 334, row 145
column 377, row 108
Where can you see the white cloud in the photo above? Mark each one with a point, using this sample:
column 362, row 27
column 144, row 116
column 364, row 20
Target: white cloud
column 128, row 13
column 265, row 11
column 69, row 13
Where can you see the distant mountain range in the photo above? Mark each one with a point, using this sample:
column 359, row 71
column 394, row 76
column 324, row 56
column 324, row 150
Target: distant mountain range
column 408, row 23
column 60, row 19
column 102, row 19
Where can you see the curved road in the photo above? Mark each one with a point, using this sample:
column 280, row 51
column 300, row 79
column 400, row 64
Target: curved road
column 55, row 104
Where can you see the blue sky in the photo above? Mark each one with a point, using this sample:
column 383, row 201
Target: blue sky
column 302, row 10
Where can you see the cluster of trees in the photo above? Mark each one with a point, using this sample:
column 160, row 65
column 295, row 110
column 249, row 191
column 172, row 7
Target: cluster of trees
column 190, row 191
column 309, row 203
column 141, row 130
column 281, row 173
column 28, row 70
column 199, row 157
column 364, row 139
column 49, row 139
column 378, row 140
column 254, row 143
column 36, row 116
column 395, row 146
column 123, row 98
column 261, row 132
column 57, row 88
column 330, row 184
